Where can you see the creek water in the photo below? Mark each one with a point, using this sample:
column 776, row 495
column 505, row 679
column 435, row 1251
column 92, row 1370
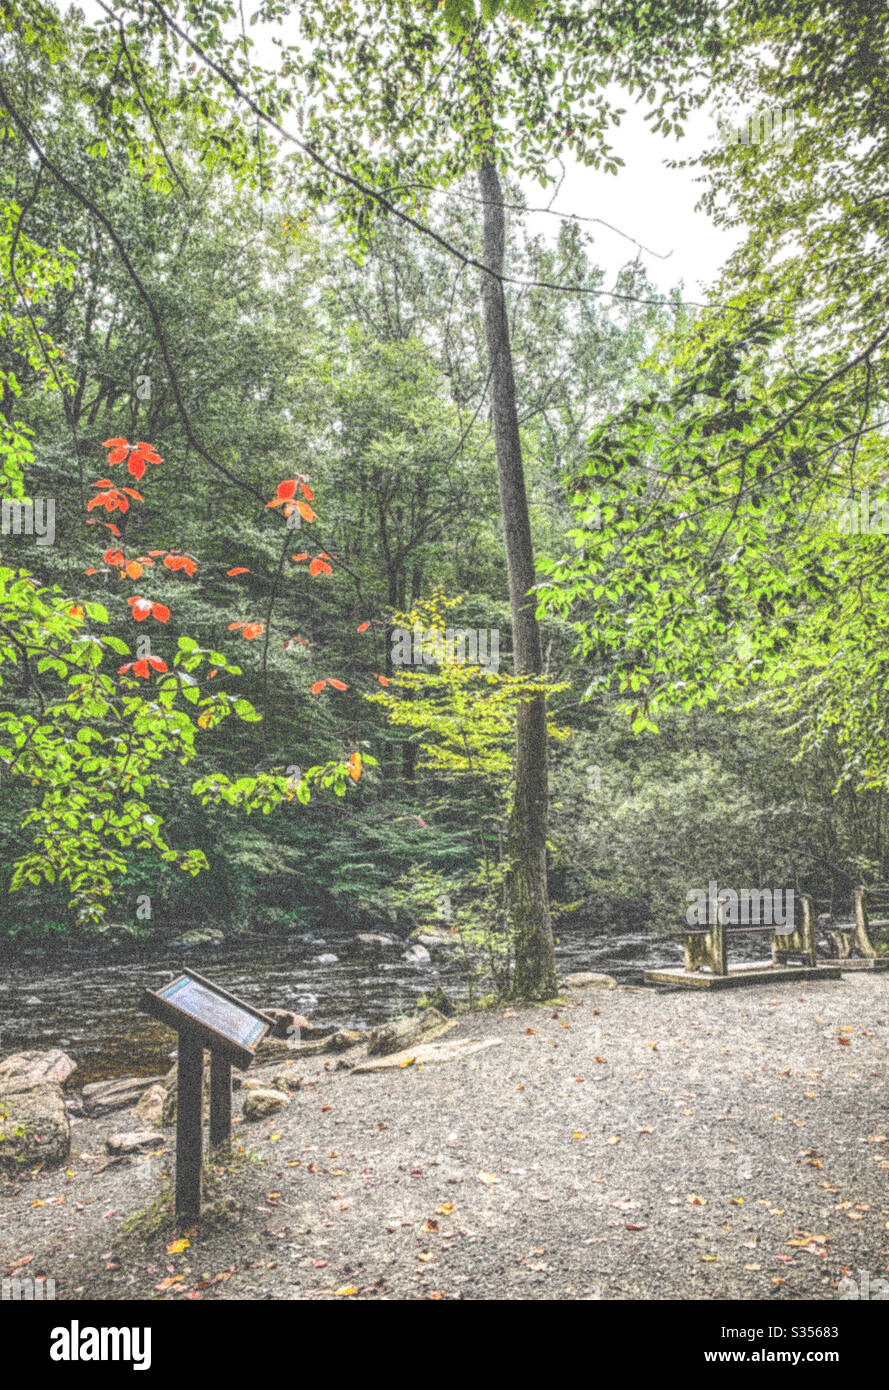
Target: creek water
column 88, row 1002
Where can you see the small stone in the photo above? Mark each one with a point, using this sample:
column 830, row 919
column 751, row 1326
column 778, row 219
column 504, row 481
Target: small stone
column 588, row 979
column 260, row 1104
column 417, row 955
column 131, row 1142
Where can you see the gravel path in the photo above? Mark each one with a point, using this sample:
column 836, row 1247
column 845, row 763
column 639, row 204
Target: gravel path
column 627, row 1144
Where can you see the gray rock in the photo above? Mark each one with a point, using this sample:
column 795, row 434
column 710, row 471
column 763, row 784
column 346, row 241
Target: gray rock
column 376, row 939
column 417, row 955
column 132, row 1141
column 326, row 958
column 287, row 1024
column 588, row 979
column 199, row 936
column 34, row 1128
column 150, row 1106
column 25, row 1070
column 260, row 1104
column 103, row 1097
column 402, row 1032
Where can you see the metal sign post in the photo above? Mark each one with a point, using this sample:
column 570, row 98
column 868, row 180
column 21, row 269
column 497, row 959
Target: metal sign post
column 204, row 1016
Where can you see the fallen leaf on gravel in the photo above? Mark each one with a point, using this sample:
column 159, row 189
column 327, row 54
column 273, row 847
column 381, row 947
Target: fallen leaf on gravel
column 168, row 1283
column 578, row 1134
column 637, row 1226
column 488, row 1177
column 445, row 1209
column 176, row 1247
column 431, row 1227
column 425, row 1256
column 736, row 1201
column 346, row 1292
column 875, row 1139
column 695, row 1200
column 751, row 1268
column 436, row 1297
column 615, row 1139
column 707, row 1258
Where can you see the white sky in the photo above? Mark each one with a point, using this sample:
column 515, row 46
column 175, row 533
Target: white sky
column 648, row 201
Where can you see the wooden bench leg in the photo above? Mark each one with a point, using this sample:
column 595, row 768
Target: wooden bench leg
column 799, row 942
column 861, row 934
column 707, row 951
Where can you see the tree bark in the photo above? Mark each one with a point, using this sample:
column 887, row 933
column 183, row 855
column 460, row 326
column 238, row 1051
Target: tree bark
column 535, row 971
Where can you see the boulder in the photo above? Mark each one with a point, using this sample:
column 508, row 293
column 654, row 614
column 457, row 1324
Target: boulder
column 260, row 1104
column 326, row 958
column 103, row 1097
column 588, row 979
column 150, row 1106
column 375, row 939
column 437, row 936
column 287, row 1024
column 25, row 1070
column 402, row 1032
column 417, row 955
column 199, row 936
column 132, row 1141
column 34, row 1128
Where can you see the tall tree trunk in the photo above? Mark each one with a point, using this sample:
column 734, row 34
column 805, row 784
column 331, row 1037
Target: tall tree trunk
column 535, row 969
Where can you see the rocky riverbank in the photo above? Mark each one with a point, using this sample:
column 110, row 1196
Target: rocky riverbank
column 619, row 1144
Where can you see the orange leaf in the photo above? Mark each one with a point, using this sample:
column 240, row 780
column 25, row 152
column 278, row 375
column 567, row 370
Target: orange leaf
column 253, row 630
column 133, row 569
column 318, row 686
column 339, row 685
column 115, row 444
column 118, row 455
column 285, row 490
column 355, row 766
column 136, row 466
column 305, row 511
column 161, row 612
column 362, row 627
column 307, row 492
column 240, row 569
column 303, row 555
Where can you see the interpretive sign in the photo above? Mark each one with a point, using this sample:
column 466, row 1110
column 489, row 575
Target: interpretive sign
column 204, row 1015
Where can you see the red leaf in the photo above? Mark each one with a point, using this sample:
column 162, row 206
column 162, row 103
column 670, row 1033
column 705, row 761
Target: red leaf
column 318, row 686
column 253, row 630
column 362, row 627
column 161, row 612
column 241, row 569
column 103, row 482
column 382, row 679
column 118, row 455
column 115, row 443
column 233, row 627
column 140, row 668
column 136, row 466
column 303, row 555
column 339, row 685
column 158, row 665
column 307, row 492
column 286, row 490
column 131, row 492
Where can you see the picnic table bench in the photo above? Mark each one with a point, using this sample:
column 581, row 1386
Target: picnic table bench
column 706, row 947
column 851, row 939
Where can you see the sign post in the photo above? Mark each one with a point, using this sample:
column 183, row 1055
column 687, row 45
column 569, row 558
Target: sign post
column 204, row 1015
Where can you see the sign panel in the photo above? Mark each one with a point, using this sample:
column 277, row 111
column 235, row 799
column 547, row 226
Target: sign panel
column 223, row 1022
column 205, row 1005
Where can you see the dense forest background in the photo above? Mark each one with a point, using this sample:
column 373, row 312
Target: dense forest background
column 366, row 373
